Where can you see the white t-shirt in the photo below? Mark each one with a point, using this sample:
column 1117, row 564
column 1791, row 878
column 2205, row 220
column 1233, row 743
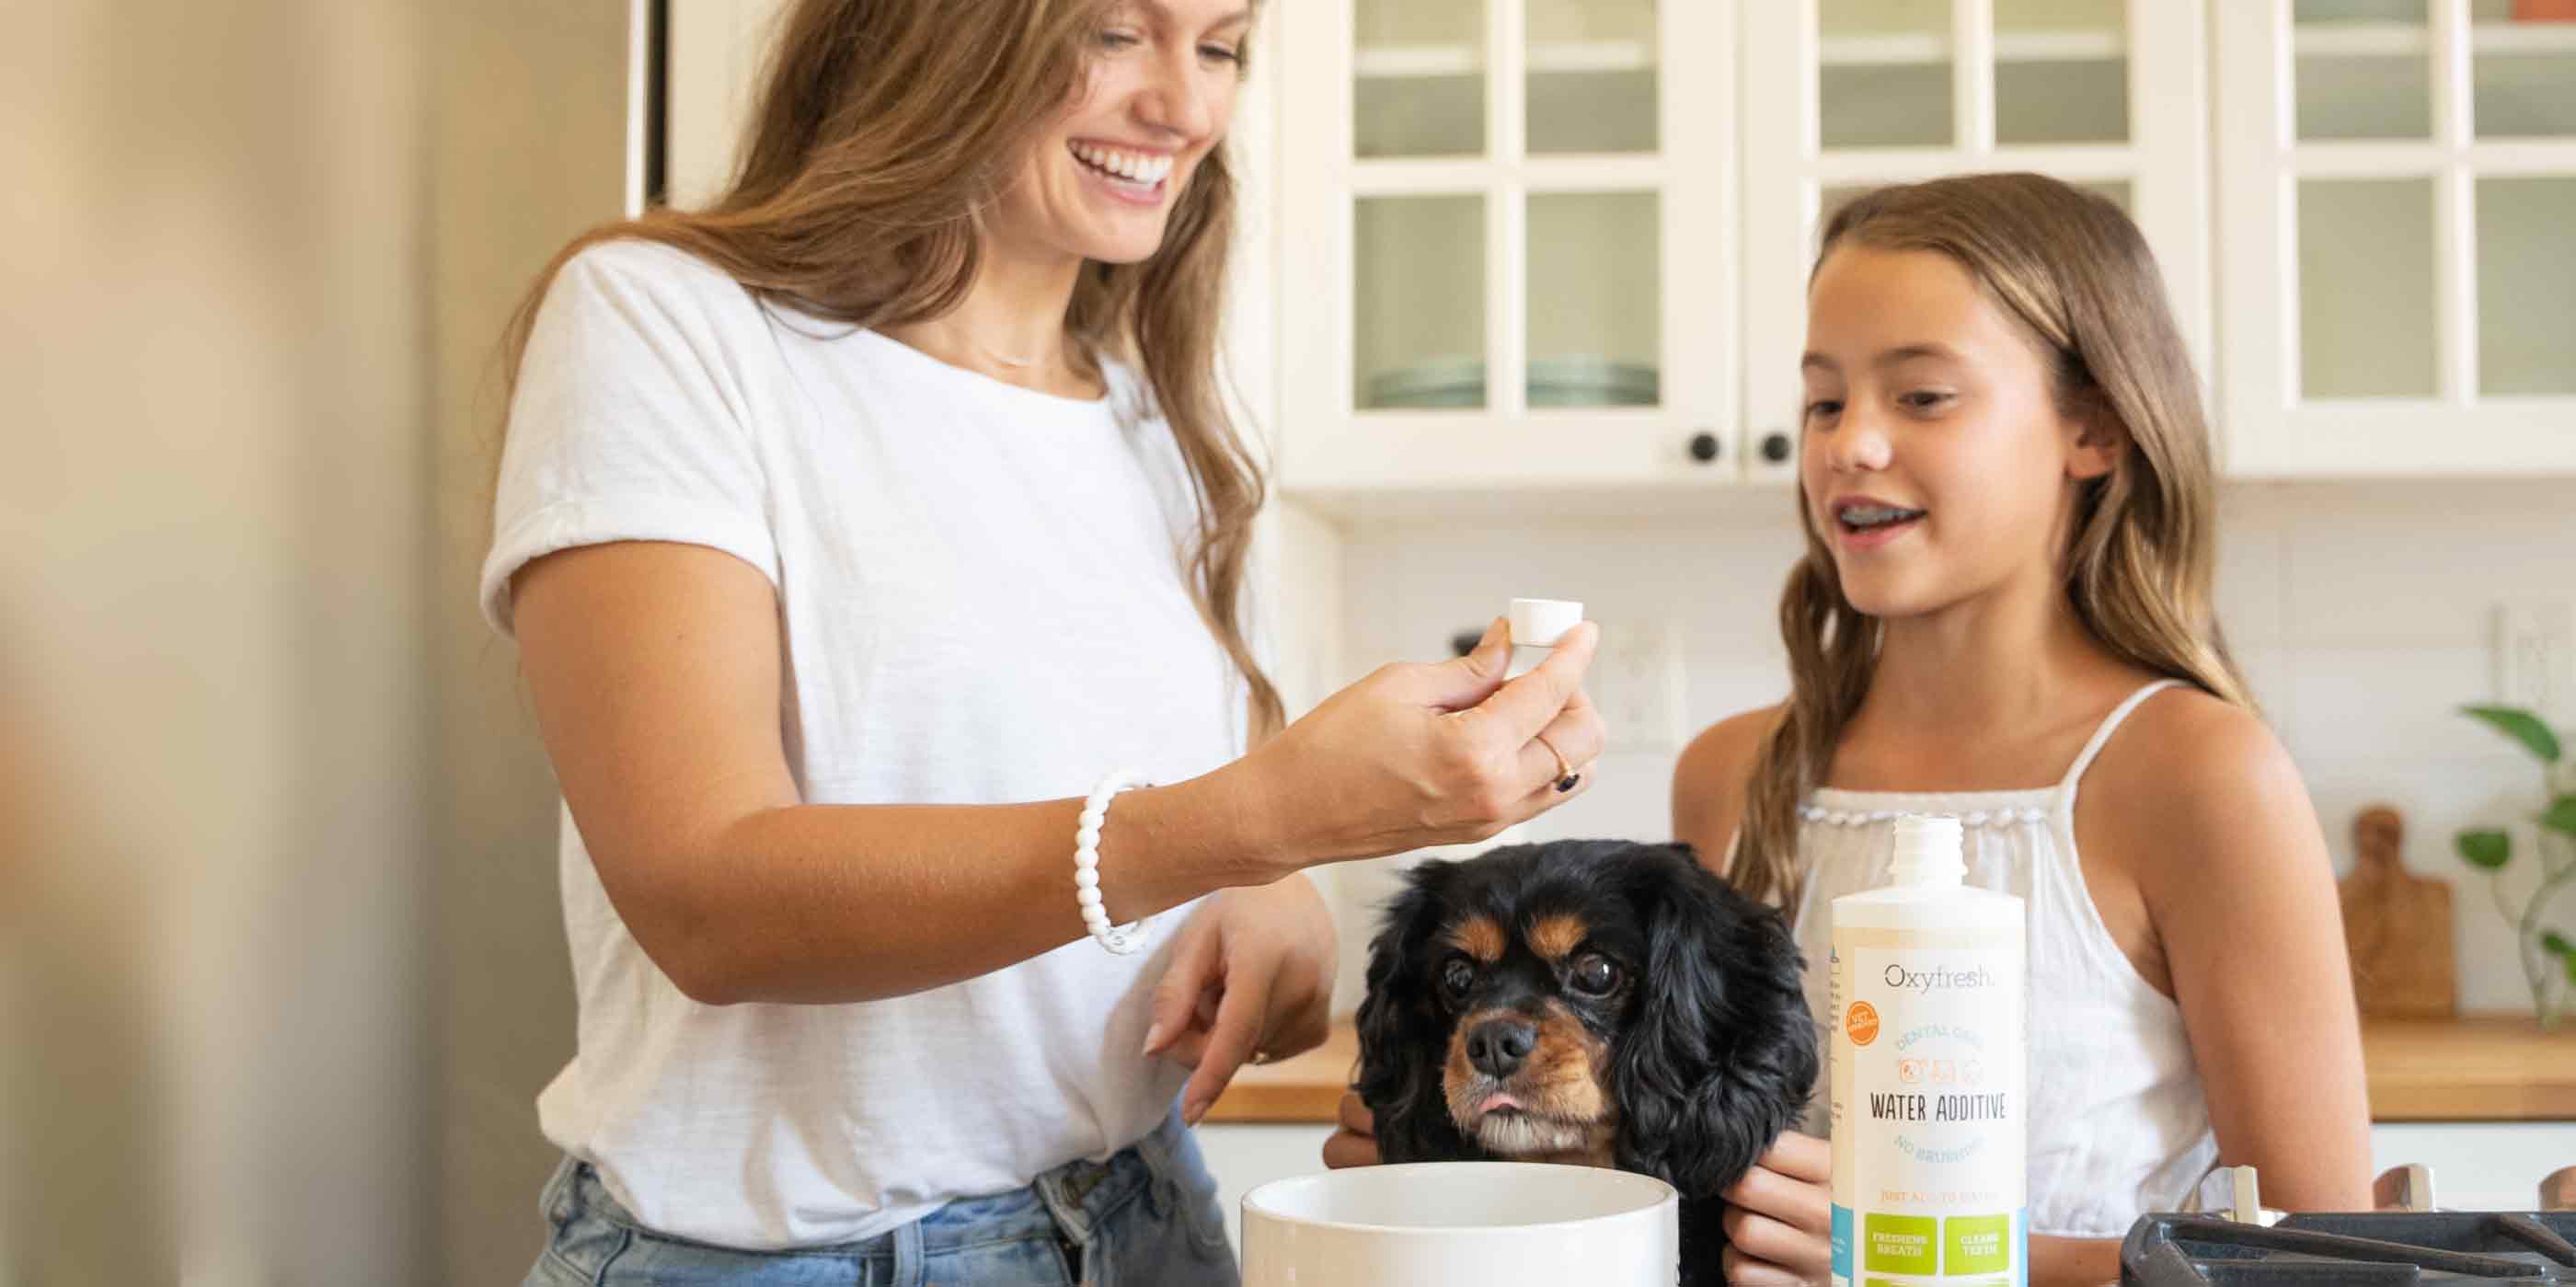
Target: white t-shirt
column 980, row 601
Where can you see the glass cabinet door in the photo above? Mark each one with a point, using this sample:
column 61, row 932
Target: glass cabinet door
column 1507, row 239
column 2400, row 235
column 1845, row 95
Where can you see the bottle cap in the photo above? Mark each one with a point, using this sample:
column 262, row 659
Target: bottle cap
column 1539, row 623
column 1928, row 851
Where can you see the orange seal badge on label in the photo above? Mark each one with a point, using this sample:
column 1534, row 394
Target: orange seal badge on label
column 1861, row 1022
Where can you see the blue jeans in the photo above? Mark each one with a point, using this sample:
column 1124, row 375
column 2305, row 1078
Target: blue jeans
column 1147, row 1217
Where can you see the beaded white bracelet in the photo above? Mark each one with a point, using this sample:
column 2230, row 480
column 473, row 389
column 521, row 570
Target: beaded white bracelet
column 1120, row 940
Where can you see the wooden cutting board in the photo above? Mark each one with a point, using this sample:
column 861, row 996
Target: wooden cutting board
column 2397, row 926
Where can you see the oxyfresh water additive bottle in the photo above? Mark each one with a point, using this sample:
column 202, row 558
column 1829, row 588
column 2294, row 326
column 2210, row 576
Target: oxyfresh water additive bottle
column 1931, row 1158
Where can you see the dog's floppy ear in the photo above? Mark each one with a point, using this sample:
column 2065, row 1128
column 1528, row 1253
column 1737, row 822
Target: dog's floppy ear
column 1722, row 1054
column 1403, row 1036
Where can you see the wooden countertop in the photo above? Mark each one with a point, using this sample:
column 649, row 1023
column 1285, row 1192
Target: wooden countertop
column 2487, row 1067
column 2473, row 1068
column 1307, row 1088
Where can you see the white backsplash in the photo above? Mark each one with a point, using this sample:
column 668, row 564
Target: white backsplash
column 2363, row 614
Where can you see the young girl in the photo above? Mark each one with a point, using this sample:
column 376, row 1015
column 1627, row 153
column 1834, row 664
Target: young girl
column 2004, row 614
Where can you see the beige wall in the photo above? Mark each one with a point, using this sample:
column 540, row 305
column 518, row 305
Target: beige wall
column 214, row 512
column 280, row 962
column 527, row 150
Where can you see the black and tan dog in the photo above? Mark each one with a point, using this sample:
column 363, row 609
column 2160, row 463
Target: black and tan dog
column 1597, row 1002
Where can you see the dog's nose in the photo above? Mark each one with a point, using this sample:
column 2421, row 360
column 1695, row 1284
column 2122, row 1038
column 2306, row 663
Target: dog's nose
column 1497, row 1046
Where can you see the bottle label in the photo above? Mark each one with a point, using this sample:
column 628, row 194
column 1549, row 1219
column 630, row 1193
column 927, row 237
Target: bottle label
column 1930, row 1140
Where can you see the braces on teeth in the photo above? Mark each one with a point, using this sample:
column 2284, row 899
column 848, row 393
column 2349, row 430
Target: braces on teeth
column 1876, row 517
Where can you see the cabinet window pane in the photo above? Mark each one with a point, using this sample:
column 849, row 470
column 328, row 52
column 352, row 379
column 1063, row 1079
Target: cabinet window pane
column 2527, row 285
column 2522, row 72
column 2365, row 69
column 1418, row 281
column 1592, row 74
column 1419, row 84
column 2524, row 79
column 2366, row 320
column 1885, row 81
column 2061, row 71
column 1596, row 299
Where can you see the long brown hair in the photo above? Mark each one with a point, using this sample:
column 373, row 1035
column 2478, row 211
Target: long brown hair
column 884, row 131
column 2079, row 277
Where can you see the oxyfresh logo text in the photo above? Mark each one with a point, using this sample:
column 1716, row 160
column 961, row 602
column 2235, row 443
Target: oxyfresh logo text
column 1940, row 978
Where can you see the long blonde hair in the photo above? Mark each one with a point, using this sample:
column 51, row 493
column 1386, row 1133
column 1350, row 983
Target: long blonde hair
column 2076, row 273
column 884, row 131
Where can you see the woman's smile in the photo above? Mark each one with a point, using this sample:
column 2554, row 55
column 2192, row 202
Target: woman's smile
column 1135, row 176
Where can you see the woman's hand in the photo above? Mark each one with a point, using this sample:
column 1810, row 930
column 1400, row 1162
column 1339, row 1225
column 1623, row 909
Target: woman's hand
column 1252, row 973
column 1779, row 1217
column 1355, row 1143
column 1426, row 754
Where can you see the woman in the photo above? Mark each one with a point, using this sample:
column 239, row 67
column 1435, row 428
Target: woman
column 852, row 530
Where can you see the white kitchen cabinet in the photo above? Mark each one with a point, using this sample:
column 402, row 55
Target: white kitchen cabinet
column 2386, row 194
column 1502, row 218
column 1845, row 95
column 1508, row 244
column 2397, row 193
column 1495, row 247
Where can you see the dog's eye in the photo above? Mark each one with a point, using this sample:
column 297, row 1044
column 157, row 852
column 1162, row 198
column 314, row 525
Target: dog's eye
column 1456, row 976
column 1595, row 975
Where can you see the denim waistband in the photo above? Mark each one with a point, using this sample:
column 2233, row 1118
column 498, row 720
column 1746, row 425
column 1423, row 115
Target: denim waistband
column 1072, row 1199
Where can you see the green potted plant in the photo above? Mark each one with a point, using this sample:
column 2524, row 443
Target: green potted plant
column 2548, row 955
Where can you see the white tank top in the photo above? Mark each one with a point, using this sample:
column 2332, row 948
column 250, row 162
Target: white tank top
column 2118, row 1127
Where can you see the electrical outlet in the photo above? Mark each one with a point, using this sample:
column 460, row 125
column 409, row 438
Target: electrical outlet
column 2536, row 655
column 1637, row 682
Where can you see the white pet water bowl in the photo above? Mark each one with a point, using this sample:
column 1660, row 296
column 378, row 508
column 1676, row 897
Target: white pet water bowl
column 1462, row 1224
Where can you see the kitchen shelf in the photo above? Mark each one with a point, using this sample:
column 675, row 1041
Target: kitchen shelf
column 1428, row 61
column 1919, row 48
column 2385, row 39
column 1391, row 62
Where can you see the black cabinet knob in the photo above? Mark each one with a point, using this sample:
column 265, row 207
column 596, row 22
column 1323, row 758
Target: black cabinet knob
column 1775, row 447
column 1703, row 446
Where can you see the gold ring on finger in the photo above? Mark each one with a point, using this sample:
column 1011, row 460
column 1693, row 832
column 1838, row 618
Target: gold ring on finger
column 1566, row 777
